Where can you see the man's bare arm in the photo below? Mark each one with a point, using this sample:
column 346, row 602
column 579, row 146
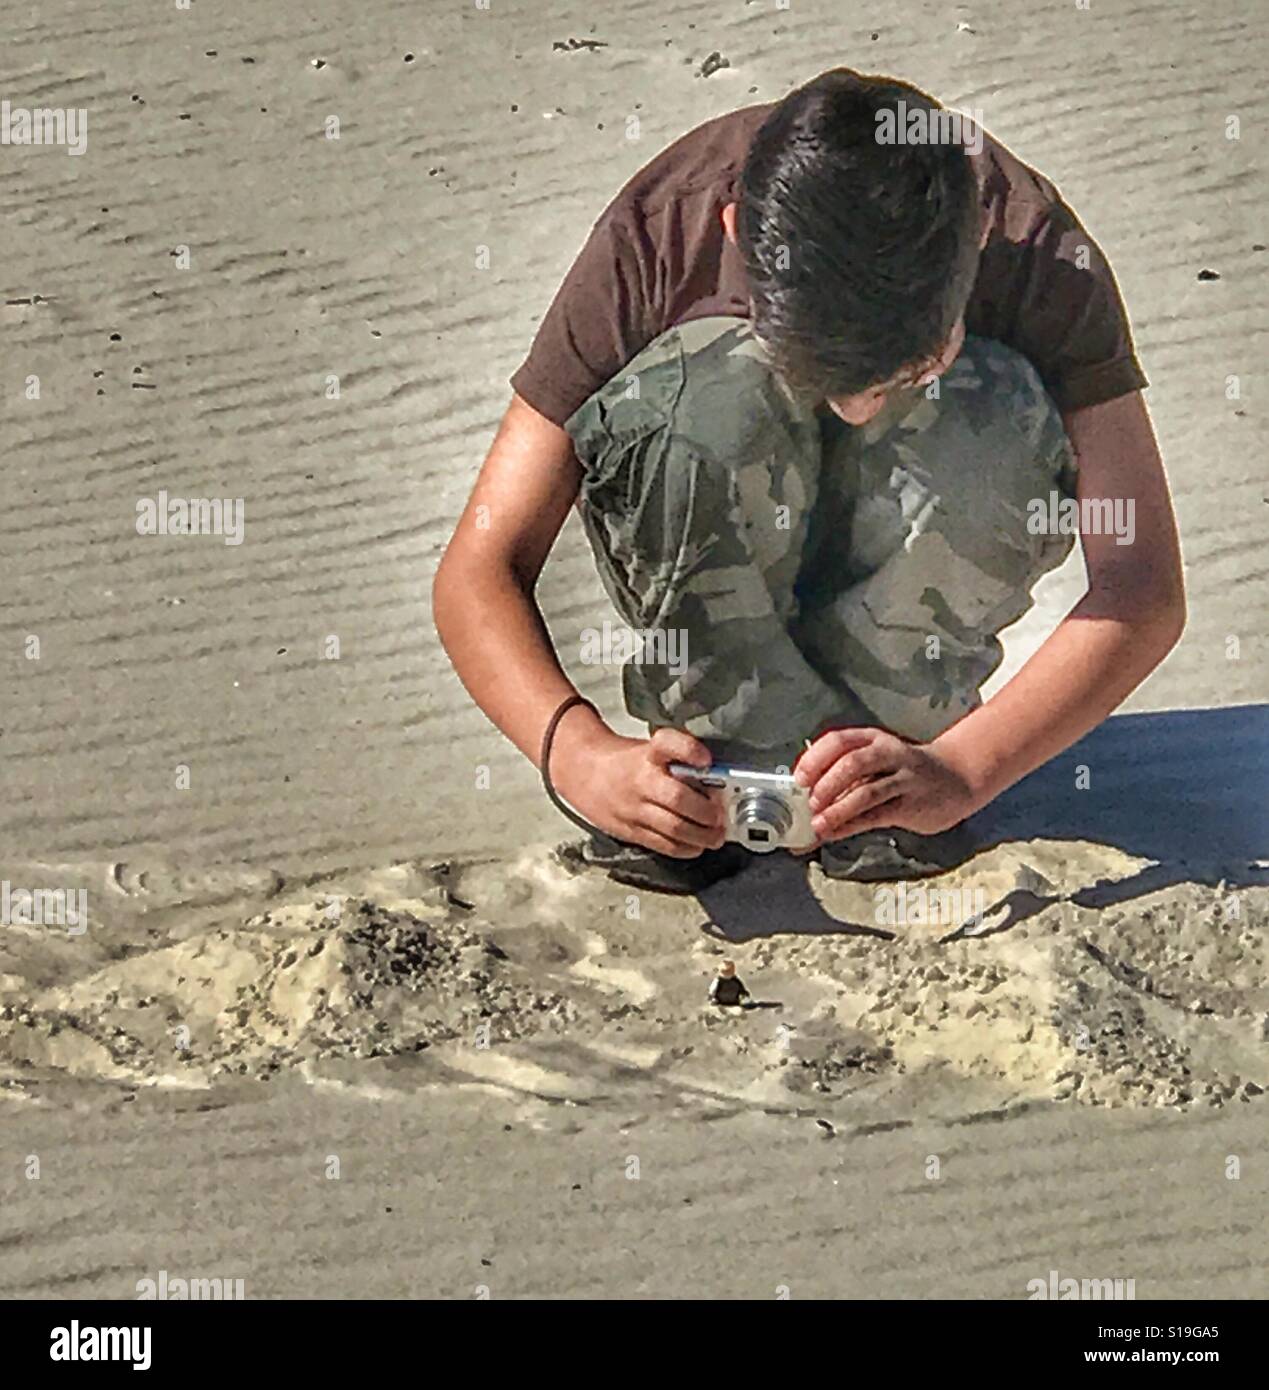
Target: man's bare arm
column 492, row 629
column 1130, row 618
column 482, row 595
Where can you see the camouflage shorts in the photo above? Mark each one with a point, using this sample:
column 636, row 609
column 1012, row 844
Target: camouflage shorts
column 814, row 573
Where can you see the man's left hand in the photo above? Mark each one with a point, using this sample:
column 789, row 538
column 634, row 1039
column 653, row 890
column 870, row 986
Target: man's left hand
column 866, row 779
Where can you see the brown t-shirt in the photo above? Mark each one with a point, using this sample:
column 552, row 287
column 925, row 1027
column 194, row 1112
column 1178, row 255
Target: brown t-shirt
column 658, row 256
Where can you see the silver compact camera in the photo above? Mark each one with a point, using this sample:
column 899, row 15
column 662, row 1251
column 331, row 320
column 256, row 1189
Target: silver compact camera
column 765, row 810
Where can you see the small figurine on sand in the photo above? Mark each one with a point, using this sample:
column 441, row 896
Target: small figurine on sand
column 728, row 989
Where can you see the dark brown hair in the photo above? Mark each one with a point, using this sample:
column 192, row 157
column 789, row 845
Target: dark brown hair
column 860, row 255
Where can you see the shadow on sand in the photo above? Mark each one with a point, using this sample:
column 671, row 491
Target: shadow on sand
column 1185, row 789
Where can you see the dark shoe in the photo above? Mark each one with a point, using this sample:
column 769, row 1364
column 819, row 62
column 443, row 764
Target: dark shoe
column 658, row 873
column 880, row 856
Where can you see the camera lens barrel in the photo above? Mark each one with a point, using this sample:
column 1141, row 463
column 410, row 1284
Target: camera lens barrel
column 763, row 818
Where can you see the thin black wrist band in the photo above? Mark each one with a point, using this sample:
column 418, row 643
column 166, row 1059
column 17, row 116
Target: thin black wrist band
column 548, row 738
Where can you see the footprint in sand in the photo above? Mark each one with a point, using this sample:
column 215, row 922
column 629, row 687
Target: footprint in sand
column 167, row 885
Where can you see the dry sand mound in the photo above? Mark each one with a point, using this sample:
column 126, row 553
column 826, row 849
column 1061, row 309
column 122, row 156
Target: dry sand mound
column 525, row 978
column 363, row 982
column 1164, row 1003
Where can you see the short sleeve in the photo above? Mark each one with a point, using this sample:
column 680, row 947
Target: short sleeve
column 603, row 315
column 1053, row 297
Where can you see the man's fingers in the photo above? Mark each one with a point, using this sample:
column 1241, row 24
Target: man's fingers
column 869, row 761
column 826, row 750
column 662, row 844
column 687, row 838
column 690, row 802
column 676, row 746
column 684, row 832
column 866, row 807
column 881, row 818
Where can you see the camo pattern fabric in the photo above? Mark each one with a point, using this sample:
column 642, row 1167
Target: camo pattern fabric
column 819, row 574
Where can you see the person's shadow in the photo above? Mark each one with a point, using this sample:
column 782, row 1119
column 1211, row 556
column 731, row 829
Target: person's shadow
column 1184, row 789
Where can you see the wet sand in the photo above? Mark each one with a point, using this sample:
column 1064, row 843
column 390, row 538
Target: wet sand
column 292, row 956
column 437, row 1199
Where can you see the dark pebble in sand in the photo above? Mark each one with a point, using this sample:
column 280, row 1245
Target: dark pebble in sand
column 116, row 338
column 1209, row 275
column 713, row 64
column 409, row 58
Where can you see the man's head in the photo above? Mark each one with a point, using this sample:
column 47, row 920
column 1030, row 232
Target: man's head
column 860, row 254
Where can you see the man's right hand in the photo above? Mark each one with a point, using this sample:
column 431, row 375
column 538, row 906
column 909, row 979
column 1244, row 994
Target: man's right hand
column 624, row 787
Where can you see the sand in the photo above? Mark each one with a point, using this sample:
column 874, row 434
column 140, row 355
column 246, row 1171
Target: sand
column 345, row 933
